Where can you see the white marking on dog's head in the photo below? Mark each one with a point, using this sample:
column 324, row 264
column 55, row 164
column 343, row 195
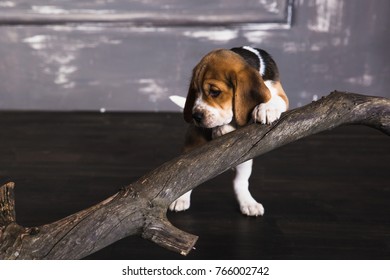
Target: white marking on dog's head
column 209, row 116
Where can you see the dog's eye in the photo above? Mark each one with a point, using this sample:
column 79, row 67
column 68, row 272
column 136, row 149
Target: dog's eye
column 214, row 92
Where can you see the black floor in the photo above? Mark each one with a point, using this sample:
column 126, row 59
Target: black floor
column 325, row 197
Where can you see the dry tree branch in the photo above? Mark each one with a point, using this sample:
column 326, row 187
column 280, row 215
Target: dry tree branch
column 140, row 208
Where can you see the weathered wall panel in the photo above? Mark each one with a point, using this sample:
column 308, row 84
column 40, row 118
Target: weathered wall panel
column 144, row 12
column 128, row 65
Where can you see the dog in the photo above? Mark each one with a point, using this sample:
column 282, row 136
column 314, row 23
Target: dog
column 230, row 89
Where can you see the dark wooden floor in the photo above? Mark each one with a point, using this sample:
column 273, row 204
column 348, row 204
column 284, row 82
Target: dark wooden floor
column 325, row 197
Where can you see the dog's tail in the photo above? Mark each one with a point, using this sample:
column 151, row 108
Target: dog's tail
column 178, row 100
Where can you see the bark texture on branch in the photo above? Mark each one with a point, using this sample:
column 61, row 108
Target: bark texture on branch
column 140, row 208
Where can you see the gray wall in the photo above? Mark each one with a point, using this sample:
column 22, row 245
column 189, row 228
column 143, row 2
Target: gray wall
column 132, row 55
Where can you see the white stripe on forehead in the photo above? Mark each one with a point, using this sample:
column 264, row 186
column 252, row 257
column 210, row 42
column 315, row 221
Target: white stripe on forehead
column 256, row 52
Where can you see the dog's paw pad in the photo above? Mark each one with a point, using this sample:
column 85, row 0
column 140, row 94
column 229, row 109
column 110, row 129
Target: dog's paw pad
column 252, row 209
column 180, row 204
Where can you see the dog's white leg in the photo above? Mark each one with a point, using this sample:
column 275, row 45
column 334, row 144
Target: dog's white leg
column 182, row 203
column 248, row 205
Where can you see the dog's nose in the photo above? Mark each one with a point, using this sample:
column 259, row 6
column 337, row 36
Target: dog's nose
column 197, row 117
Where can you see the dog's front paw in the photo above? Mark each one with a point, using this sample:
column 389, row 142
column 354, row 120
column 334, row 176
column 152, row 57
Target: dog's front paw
column 181, row 204
column 222, row 130
column 252, row 208
column 267, row 113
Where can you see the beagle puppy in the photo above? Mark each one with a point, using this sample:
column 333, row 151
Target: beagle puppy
column 229, row 89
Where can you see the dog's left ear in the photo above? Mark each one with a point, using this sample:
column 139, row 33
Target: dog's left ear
column 191, row 95
column 189, row 104
column 249, row 91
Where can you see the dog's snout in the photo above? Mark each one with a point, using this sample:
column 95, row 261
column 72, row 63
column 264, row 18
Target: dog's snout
column 198, row 117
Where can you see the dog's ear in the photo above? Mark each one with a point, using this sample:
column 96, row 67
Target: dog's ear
column 249, row 91
column 189, row 103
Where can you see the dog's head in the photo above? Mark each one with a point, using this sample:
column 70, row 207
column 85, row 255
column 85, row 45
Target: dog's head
column 224, row 88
